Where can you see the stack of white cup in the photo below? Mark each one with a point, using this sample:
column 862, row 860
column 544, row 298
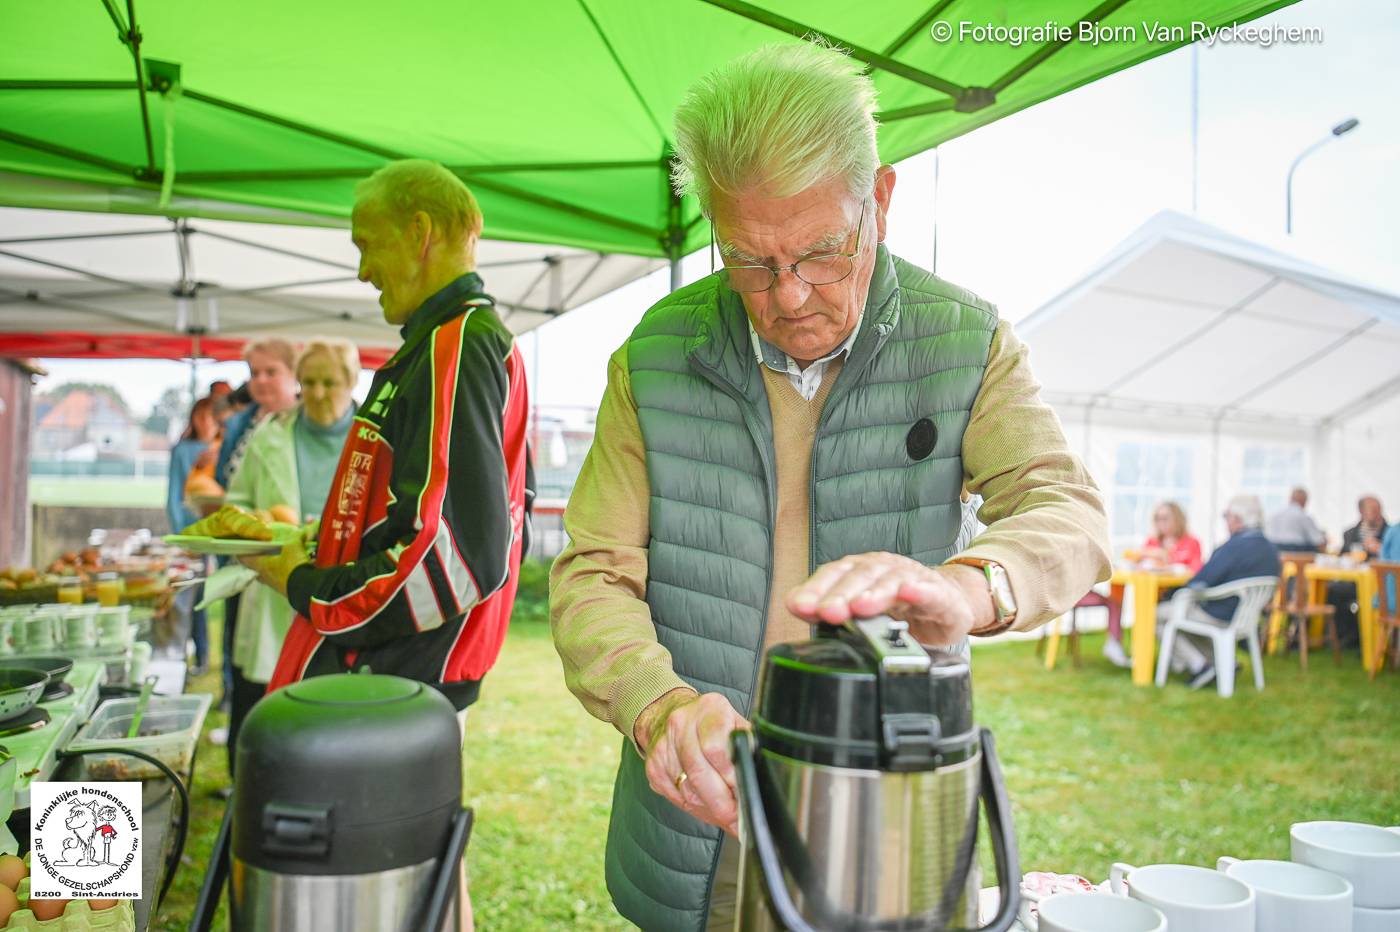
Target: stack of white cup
column 1367, row 857
column 1344, row 877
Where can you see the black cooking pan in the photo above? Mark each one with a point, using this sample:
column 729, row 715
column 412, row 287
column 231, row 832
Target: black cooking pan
column 56, row 667
column 20, row 688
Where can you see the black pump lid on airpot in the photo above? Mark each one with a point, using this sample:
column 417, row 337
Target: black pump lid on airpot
column 347, row 774
column 865, row 695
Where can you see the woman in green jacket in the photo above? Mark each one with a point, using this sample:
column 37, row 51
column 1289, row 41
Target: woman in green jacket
column 290, row 462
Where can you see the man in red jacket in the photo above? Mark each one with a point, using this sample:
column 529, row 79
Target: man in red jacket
column 419, row 547
column 420, row 542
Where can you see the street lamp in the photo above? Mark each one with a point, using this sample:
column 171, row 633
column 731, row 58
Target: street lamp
column 1340, row 129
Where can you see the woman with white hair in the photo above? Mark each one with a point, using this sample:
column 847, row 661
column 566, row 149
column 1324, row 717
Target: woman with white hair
column 289, row 465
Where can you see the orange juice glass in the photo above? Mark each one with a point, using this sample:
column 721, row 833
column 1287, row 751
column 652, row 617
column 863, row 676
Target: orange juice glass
column 70, row 590
column 110, row 587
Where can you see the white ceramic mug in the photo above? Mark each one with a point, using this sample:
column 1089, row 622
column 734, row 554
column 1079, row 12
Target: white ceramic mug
column 1194, row 899
column 1366, row 855
column 1291, row 897
column 1375, row 920
column 1094, row 912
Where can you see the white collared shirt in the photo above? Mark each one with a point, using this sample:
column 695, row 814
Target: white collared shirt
column 807, row 381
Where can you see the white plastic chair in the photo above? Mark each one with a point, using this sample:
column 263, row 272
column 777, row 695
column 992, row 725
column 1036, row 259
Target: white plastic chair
column 1253, row 593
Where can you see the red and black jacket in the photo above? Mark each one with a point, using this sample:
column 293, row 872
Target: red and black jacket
column 421, row 538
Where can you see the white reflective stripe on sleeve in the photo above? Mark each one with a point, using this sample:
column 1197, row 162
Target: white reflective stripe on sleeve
column 458, row 576
column 418, row 589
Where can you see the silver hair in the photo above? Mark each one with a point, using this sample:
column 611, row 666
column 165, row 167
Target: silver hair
column 1247, row 508
column 339, row 350
column 783, row 116
column 401, row 188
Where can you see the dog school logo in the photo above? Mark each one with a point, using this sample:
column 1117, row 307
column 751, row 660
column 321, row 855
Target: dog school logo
column 85, row 840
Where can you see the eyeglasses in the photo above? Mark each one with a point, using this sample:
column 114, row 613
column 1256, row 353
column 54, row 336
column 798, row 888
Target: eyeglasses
column 814, row 270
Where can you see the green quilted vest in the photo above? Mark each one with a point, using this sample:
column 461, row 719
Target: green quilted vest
column 706, row 425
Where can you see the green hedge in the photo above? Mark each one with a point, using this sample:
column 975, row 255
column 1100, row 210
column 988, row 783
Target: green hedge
column 532, row 595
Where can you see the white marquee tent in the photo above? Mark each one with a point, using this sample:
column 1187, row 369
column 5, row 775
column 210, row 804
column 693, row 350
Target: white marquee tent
column 1192, row 364
column 74, row 283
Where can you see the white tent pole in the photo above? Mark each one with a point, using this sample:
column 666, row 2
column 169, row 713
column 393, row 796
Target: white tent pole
column 194, row 368
column 934, row 268
column 1342, row 482
column 1321, row 477
column 1214, row 481
column 673, row 240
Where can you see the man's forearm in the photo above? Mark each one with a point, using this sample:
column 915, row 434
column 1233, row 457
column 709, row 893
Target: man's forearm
column 598, row 611
column 603, row 631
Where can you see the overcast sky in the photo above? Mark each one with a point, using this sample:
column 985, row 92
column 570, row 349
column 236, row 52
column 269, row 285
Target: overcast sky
column 1027, row 205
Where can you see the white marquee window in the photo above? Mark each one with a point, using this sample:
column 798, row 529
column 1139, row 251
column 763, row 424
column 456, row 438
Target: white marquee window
column 1271, row 472
column 1144, row 474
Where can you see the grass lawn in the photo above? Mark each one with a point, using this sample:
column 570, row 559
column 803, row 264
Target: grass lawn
column 108, row 492
column 1097, row 771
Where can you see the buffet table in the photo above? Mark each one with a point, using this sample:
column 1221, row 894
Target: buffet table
column 38, row 739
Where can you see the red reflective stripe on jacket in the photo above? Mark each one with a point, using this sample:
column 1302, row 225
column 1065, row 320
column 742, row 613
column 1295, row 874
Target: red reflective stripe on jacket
column 479, row 643
column 359, row 607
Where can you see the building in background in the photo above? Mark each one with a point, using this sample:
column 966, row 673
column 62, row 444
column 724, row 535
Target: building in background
column 87, row 430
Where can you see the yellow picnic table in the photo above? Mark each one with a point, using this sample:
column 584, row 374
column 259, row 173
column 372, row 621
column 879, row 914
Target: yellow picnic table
column 1146, row 584
column 1366, row 588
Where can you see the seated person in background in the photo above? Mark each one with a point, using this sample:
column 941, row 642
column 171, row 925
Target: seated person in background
column 1361, row 541
column 1170, row 544
column 1246, row 554
column 1390, row 553
column 1292, row 528
column 1366, row 535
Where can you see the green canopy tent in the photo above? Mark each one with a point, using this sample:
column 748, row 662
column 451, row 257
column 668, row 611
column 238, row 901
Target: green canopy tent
column 557, row 113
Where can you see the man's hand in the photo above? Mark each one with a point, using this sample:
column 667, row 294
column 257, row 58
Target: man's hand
column 274, row 568
column 942, row 604
column 687, row 741
column 230, row 521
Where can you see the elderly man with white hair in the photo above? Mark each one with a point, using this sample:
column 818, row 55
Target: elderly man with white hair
column 1247, row 554
column 791, row 441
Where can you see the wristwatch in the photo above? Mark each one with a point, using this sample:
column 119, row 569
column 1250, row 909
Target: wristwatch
column 999, row 587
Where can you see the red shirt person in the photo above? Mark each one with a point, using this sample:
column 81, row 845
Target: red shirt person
column 1171, row 543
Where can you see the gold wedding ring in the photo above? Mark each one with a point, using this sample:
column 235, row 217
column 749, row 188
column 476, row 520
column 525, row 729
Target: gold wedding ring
column 681, row 779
